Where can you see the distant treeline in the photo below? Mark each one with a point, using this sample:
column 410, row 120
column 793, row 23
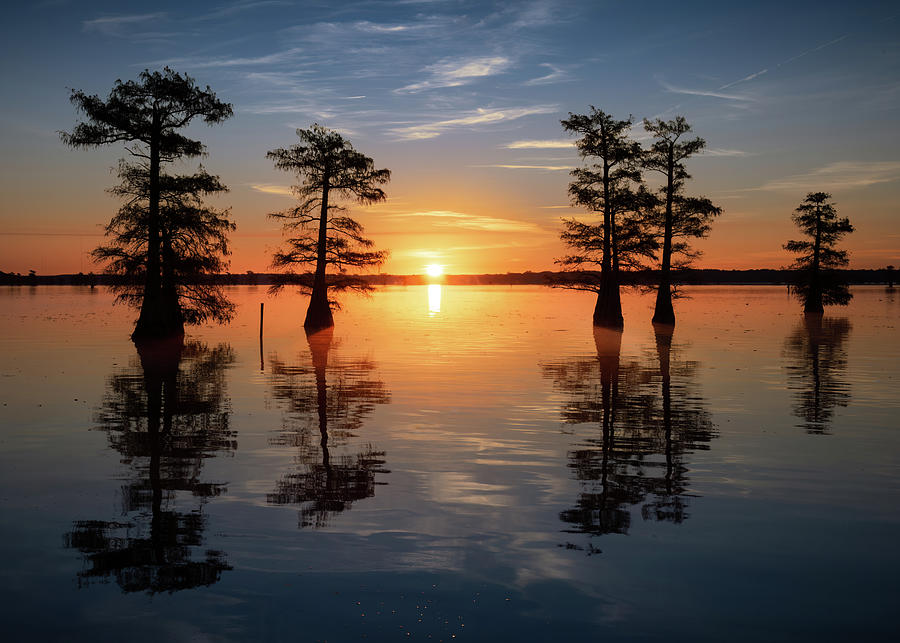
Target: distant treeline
column 646, row 277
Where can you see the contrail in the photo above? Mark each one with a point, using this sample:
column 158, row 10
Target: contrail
column 757, row 74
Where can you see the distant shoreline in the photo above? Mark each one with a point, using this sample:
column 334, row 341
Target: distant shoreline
column 709, row 276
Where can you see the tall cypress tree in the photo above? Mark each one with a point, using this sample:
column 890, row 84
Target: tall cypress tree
column 679, row 217
column 608, row 186
column 147, row 115
column 818, row 284
column 330, row 169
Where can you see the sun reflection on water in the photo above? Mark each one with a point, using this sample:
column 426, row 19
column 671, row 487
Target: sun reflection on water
column 434, row 299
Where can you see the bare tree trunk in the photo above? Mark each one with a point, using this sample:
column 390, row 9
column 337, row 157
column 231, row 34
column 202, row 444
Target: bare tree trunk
column 150, row 322
column 608, row 310
column 813, row 303
column 158, row 318
column 318, row 315
column 664, row 313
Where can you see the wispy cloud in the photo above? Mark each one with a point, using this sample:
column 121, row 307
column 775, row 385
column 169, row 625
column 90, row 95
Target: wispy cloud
column 721, row 151
column 233, row 8
column 268, row 188
column 342, row 35
column 450, row 219
column 478, row 117
column 729, row 197
column 746, row 78
column 554, row 144
column 453, row 73
column 536, row 14
column 839, row 175
column 445, row 252
column 703, row 92
column 556, row 75
column 300, row 107
column 530, row 167
column 268, row 59
column 118, row 25
column 375, row 27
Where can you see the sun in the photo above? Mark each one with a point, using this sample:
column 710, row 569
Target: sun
column 434, row 270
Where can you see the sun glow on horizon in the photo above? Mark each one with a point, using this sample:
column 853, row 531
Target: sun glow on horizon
column 434, row 270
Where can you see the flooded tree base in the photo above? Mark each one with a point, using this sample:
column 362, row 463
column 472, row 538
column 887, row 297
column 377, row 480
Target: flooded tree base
column 318, row 318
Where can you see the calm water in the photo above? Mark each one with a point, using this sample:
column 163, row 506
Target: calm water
column 453, row 462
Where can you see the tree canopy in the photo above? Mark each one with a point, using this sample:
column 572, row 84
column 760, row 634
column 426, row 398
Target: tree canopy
column 818, row 284
column 330, row 169
column 149, row 111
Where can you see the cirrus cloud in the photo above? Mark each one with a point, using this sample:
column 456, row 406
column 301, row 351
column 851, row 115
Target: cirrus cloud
column 453, row 73
column 839, row 175
column 480, row 116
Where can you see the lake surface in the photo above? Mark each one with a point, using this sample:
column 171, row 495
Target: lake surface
column 468, row 463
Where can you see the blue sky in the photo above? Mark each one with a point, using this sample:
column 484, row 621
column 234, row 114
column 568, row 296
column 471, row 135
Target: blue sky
column 462, row 100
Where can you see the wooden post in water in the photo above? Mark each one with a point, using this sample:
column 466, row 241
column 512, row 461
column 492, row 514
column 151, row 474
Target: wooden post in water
column 261, row 363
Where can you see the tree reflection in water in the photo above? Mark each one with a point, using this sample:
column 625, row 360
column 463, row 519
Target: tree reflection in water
column 649, row 417
column 165, row 414
column 326, row 404
column 815, row 363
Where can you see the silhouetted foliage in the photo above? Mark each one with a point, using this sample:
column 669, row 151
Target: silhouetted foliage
column 818, row 284
column 146, row 115
column 678, row 218
column 165, row 415
column 194, row 242
column 326, row 405
column 330, row 169
column 650, row 418
column 816, row 362
column 610, row 186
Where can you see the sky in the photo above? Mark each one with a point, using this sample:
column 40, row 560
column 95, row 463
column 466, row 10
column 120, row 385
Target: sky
column 462, row 101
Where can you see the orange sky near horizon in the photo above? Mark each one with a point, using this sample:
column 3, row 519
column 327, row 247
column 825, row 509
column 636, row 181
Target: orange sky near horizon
column 496, row 224
column 463, row 104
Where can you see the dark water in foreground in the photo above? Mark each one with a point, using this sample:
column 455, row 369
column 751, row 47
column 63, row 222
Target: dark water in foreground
column 456, row 462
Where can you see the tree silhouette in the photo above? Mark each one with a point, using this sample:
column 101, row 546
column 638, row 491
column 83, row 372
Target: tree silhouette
column 648, row 426
column 890, row 277
column 816, row 362
column 609, row 186
column 679, row 217
column 818, row 284
column 146, row 115
column 326, row 404
column 330, row 169
column 194, row 242
column 165, row 414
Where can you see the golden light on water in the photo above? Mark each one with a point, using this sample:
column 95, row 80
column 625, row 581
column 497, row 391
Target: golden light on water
column 434, row 299
column 434, row 270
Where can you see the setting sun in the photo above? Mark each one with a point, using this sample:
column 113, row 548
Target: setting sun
column 434, row 270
